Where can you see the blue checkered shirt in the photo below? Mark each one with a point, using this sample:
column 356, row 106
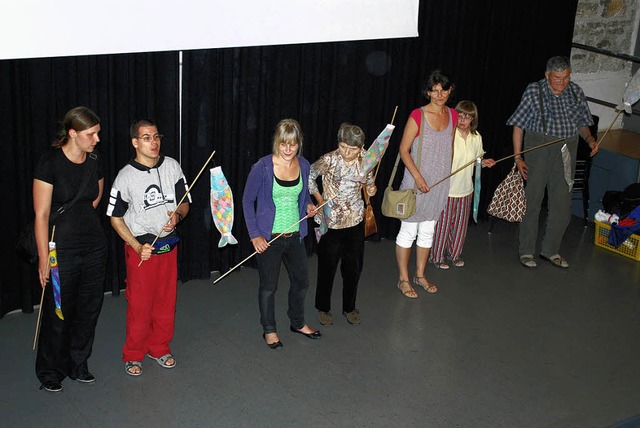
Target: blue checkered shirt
column 563, row 114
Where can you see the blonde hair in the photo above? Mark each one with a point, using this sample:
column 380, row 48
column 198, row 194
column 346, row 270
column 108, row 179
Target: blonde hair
column 287, row 130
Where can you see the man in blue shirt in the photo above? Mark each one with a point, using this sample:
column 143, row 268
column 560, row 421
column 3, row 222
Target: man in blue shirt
column 550, row 109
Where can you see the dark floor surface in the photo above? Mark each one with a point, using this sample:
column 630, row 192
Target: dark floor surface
column 498, row 346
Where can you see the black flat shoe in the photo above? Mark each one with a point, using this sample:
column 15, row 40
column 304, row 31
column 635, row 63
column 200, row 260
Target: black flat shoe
column 84, row 377
column 52, row 386
column 315, row 335
column 274, row 345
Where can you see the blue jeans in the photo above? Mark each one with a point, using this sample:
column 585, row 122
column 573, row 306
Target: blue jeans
column 292, row 252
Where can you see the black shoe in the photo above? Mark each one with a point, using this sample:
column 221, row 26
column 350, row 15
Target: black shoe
column 274, row 345
column 52, row 386
column 84, row 377
column 315, row 335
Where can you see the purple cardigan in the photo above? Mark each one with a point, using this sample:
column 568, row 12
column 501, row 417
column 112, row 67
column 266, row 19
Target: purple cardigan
column 257, row 199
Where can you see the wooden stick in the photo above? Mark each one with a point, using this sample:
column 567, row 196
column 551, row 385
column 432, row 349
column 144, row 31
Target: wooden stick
column 35, row 336
column 277, row 236
column 182, row 200
column 610, row 125
column 457, row 170
column 532, row 148
column 394, row 115
column 499, row 160
column 380, row 161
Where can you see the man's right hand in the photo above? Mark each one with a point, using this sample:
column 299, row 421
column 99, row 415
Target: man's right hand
column 144, row 251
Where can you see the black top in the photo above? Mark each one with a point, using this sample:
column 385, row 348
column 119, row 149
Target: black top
column 79, row 227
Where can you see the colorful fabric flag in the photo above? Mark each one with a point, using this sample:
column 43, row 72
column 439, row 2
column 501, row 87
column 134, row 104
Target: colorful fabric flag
column 370, row 159
column 55, row 278
column 222, row 206
column 476, row 189
column 374, row 153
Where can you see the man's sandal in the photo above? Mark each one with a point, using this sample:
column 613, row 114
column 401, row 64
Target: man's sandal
column 430, row 287
column 133, row 368
column 407, row 292
column 557, row 260
column 167, row 361
column 528, row 261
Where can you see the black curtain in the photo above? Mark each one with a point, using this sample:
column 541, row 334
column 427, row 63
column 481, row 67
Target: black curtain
column 34, row 96
column 232, row 99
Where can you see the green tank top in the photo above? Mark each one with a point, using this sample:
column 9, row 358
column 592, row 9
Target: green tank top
column 285, row 197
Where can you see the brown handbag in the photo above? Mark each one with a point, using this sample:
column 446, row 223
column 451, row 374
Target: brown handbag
column 370, row 226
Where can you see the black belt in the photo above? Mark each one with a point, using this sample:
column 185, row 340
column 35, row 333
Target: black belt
column 289, row 235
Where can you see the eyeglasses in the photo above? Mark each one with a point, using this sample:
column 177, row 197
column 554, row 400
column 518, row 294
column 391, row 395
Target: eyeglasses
column 557, row 79
column 465, row 118
column 149, row 138
column 439, row 93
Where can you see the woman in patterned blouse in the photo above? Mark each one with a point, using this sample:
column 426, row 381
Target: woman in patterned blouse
column 343, row 214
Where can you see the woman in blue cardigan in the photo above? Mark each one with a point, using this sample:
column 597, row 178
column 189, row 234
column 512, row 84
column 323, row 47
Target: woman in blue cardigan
column 275, row 198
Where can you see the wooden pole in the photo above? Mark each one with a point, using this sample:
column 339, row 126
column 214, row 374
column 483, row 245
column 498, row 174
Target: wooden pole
column 609, row 128
column 456, row 171
column 277, row 236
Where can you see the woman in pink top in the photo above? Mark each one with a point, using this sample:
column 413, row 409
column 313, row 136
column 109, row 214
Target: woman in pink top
column 431, row 126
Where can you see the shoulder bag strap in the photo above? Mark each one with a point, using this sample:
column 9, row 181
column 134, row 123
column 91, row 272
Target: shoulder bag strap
column 395, row 166
column 83, row 185
column 544, row 122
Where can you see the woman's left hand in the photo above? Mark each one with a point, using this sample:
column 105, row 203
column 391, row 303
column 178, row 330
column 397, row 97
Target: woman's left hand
column 489, row 163
column 312, row 210
column 421, row 184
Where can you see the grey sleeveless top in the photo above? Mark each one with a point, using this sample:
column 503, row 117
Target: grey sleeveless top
column 434, row 166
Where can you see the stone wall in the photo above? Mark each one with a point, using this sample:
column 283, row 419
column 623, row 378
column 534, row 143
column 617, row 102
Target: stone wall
column 611, row 25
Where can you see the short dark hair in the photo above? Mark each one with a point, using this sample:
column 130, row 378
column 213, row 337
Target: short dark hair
column 434, row 78
column 135, row 127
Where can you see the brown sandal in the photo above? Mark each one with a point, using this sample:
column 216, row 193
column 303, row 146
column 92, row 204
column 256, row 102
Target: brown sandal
column 409, row 293
column 429, row 288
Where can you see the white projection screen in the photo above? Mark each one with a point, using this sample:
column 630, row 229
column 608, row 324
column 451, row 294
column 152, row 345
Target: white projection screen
column 48, row 28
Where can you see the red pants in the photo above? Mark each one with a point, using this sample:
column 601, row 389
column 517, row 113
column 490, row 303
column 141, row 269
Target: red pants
column 151, row 296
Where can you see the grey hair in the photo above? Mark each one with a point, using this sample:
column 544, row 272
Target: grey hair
column 351, row 135
column 558, row 63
